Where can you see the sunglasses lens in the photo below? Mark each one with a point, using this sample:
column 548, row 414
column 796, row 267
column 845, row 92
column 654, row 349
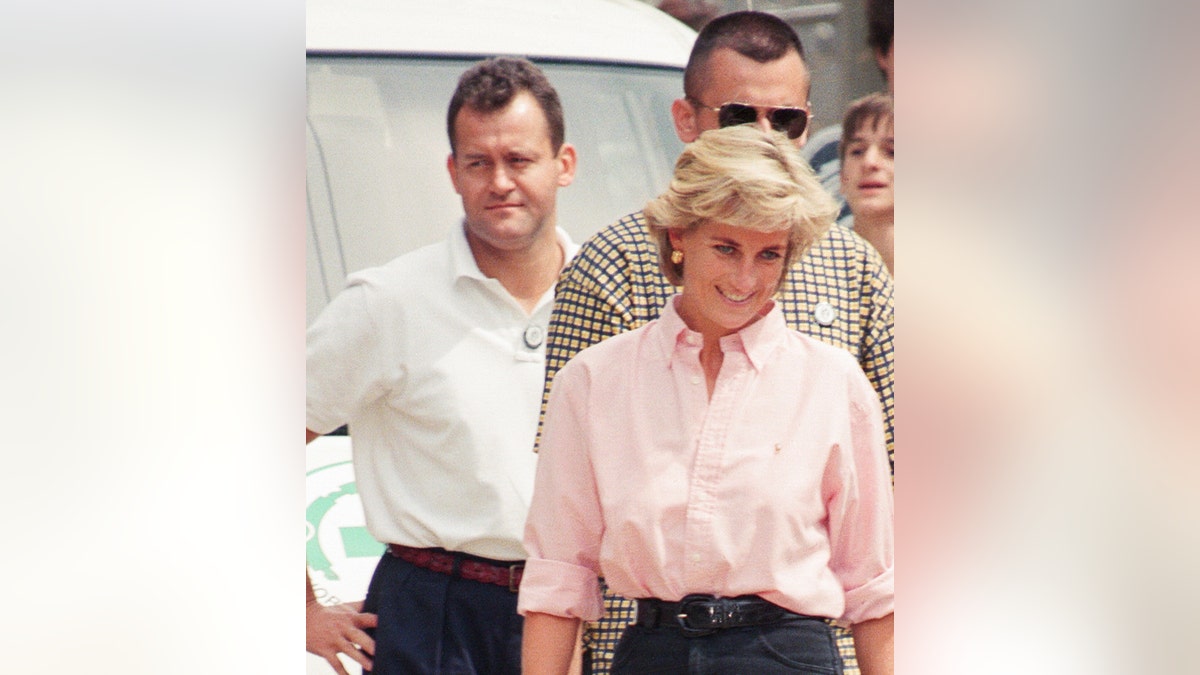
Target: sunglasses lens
column 790, row 120
column 733, row 114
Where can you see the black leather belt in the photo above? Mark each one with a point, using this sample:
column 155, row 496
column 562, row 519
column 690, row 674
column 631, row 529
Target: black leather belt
column 697, row 615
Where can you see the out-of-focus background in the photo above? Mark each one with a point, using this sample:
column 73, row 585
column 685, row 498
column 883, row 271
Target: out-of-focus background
column 152, row 386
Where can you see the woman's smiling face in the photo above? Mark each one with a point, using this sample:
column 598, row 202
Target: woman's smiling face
column 730, row 274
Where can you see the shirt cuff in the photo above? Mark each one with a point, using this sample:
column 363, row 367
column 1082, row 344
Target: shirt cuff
column 560, row 589
column 872, row 600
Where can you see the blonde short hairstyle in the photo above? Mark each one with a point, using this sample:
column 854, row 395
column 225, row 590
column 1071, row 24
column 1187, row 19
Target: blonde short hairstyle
column 744, row 177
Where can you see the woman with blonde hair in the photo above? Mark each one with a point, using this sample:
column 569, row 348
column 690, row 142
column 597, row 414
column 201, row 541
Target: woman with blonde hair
column 727, row 472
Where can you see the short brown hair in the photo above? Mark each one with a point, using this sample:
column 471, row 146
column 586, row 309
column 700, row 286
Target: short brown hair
column 491, row 85
column 880, row 25
column 867, row 111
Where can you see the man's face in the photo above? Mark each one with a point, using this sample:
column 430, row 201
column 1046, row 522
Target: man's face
column 508, row 175
column 731, row 77
column 868, row 171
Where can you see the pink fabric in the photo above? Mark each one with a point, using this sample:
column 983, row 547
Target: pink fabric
column 777, row 486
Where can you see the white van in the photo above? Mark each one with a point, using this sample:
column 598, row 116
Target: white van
column 380, row 76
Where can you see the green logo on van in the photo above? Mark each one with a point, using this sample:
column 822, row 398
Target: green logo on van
column 355, row 541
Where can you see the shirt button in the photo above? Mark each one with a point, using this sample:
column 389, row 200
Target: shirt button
column 695, row 380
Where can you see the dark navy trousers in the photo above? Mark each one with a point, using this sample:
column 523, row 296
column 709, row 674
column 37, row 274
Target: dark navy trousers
column 434, row 624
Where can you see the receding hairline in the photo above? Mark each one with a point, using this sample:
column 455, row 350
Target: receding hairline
column 547, row 131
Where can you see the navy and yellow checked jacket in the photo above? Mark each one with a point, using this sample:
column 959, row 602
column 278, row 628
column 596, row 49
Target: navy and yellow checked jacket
column 614, row 284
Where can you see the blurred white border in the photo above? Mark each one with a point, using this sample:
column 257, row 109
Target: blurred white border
column 152, row 290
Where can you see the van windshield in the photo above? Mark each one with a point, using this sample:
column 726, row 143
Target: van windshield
column 377, row 148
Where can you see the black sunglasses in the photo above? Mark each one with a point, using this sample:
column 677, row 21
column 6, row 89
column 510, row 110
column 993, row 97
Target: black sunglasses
column 791, row 121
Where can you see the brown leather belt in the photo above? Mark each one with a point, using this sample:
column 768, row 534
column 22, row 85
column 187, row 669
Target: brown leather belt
column 461, row 565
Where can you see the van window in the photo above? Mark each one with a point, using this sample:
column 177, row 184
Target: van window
column 377, row 148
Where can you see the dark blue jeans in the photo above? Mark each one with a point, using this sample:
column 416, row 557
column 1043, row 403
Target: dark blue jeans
column 789, row 646
column 434, row 624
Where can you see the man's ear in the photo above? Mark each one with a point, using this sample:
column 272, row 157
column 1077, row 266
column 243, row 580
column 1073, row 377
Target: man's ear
column 567, row 160
column 687, row 127
column 450, row 167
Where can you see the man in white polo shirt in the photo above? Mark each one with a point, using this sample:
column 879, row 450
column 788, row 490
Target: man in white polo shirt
column 436, row 360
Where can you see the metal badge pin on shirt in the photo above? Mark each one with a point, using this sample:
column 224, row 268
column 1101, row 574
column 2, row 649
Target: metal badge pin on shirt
column 533, row 336
column 824, row 313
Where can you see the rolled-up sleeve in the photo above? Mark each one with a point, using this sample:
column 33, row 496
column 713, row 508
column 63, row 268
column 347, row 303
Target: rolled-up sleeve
column 859, row 502
column 565, row 525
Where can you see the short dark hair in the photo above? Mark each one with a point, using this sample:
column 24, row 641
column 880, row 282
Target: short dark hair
column 491, row 85
column 757, row 35
column 869, row 110
column 880, row 24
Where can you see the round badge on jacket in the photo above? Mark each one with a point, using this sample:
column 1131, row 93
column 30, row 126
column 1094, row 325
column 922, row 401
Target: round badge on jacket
column 824, row 313
column 534, row 335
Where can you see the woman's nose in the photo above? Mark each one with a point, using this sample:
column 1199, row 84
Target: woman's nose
column 744, row 277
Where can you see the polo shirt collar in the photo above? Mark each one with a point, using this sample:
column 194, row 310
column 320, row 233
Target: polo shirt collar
column 462, row 261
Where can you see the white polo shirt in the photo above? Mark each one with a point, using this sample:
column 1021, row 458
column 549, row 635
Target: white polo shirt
column 439, row 373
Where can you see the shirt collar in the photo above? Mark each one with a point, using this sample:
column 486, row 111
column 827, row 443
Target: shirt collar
column 758, row 340
column 462, row 262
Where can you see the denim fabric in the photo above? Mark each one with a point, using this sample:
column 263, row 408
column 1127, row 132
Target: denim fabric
column 789, row 646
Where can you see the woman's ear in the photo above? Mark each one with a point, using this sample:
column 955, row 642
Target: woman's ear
column 675, row 236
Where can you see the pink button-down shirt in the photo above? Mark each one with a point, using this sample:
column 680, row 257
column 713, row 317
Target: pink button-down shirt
column 776, row 486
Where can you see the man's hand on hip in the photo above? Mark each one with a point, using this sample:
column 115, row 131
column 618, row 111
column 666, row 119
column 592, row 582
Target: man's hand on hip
column 340, row 629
